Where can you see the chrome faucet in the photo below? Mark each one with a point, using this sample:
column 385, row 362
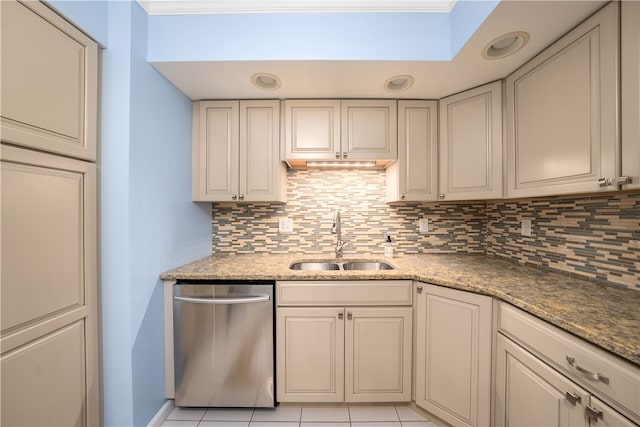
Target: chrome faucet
column 337, row 230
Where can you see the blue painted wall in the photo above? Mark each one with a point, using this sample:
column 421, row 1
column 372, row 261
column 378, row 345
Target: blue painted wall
column 148, row 223
column 89, row 15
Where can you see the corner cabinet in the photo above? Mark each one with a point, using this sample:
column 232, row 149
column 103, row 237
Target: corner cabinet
column 340, row 130
column 236, row 152
column 453, row 366
column 630, row 111
column 562, row 113
column 470, row 144
column 330, row 352
column 414, row 176
column 547, row 377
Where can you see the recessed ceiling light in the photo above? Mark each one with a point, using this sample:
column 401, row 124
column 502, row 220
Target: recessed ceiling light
column 505, row 45
column 265, row 81
column 399, row 83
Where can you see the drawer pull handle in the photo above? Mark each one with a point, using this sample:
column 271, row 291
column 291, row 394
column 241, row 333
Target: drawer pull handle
column 591, row 375
column 593, row 413
column 572, row 398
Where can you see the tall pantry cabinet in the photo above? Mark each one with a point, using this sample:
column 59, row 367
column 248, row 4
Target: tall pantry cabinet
column 48, row 292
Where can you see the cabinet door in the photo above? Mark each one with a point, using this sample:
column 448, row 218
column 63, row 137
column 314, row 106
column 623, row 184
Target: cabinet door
column 562, row 113
column 49, row 81
column 454, row 355
column 470, row 144
column 215, row 151
column 369, row 130
column 378, row 354
column 414, row 176
column 49, row 290
column 261, row 172
column 310, row 354
column 602, row 415
column 630, row 75
column 530, row 393
column 312, row 129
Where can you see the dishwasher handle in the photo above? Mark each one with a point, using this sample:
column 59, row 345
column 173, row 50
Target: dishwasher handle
column 243, row 300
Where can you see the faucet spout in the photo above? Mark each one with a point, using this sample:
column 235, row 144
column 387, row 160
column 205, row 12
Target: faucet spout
column 337, row 230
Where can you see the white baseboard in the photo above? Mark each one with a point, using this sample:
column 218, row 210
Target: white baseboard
column 162, row 414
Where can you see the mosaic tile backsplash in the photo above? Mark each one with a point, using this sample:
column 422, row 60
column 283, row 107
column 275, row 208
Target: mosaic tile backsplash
column 592, row 236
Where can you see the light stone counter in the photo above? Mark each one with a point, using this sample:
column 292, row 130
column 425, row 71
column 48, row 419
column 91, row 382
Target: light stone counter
column 603, row 315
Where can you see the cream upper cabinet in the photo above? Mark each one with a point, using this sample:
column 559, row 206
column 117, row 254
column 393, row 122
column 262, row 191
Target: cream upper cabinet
column 312, row 129
column 340, row 129
column 49, row 82
column 236, row 152
column 414, row 176
column 630, row 80
column 470, row 145
column 562, row 113
column 453, row 361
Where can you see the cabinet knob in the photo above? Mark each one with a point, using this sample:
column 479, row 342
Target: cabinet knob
column 419, row 288
column 241, row 197
column 623, row 180
column 441, row 195
column 344, row 155
column 337, row 155
column 340, row 315
column 572, row 398
column 604, row 182
column 349, row 315
column 233, row 197
column 593, row 413
column 402, row 196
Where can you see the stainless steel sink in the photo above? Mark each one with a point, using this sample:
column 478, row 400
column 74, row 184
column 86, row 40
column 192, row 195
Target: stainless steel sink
column 366, row 265
column 314, row 265
column 332, row 266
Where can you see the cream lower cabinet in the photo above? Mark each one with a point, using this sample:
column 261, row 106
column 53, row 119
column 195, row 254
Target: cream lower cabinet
column 236, row 152
column 470, row 144
column 356, row 353
column 562, row 113
column 453, row 366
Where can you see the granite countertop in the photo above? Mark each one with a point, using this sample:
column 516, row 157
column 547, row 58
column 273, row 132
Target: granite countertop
column 603, row 315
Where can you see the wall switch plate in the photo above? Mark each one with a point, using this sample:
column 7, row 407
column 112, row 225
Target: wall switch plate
column 285, row 225
column 525, row 228
column 424, row 225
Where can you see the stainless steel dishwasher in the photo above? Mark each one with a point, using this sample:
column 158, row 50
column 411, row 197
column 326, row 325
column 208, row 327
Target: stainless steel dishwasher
column 224, row 344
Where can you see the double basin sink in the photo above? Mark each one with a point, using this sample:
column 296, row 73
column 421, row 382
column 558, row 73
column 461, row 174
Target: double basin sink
column 336, row 265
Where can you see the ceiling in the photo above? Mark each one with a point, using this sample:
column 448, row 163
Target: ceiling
column 545, row 21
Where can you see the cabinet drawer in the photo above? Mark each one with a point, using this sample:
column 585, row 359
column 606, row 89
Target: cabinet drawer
column 622, row 383
column 357, row 292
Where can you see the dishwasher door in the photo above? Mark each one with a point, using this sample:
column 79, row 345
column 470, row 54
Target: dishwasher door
column 224, row 345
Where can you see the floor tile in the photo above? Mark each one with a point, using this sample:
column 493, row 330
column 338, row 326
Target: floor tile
column 281, row 413
column 174, row 423
column 373, row 413
column 224, row 424
column 186, row 414
column 325, row 414
column 273, row 424
column 418, row 424
column 325, row 425
column 230, row 414
column 408, row 414
column 377, row 424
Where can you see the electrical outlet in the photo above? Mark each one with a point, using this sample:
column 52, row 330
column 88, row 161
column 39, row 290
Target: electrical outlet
column 285, row 225
column 525, row 228
column 424, row 225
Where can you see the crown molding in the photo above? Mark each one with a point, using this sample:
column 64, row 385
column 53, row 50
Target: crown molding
column 191, row 7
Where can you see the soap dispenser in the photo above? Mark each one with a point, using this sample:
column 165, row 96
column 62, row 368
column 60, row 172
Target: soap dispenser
column 388, row 247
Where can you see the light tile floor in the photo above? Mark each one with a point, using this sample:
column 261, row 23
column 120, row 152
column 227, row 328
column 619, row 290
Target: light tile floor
column 299, row 416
